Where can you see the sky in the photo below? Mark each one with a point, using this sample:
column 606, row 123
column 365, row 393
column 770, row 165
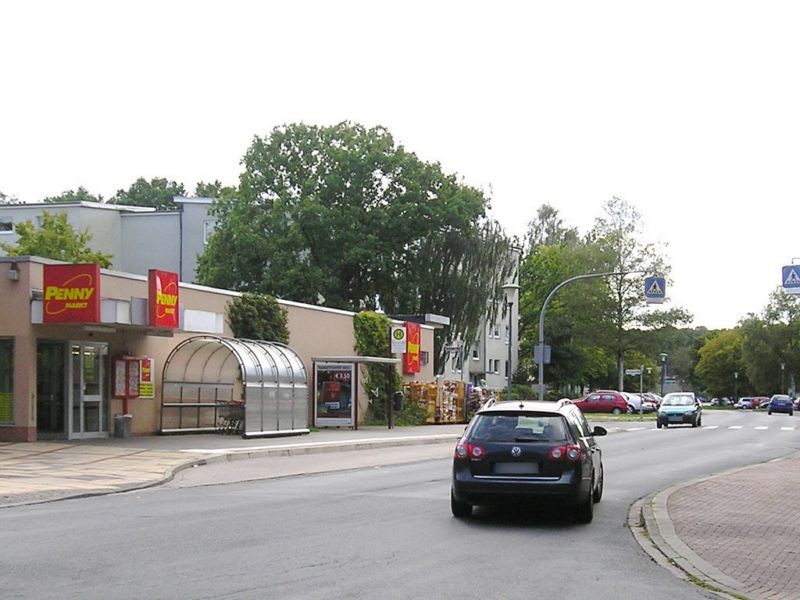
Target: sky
column 689, row 111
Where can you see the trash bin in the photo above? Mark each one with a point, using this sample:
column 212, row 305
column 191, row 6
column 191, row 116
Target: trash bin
column 122, row 426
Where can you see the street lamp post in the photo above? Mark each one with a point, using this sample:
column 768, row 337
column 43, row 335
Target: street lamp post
column 736, row 387
column 511, row 290
column 663, row 356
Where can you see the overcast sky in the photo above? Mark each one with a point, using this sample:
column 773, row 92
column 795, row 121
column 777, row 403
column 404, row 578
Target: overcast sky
column 687, row 110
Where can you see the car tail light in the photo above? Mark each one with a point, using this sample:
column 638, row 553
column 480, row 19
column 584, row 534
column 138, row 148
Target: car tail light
column 465, row 450
column 571, row 453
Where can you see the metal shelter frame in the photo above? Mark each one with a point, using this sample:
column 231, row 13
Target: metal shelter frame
column 221, row 384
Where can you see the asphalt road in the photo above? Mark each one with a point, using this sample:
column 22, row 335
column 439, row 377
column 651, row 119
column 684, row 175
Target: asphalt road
column 370, row 531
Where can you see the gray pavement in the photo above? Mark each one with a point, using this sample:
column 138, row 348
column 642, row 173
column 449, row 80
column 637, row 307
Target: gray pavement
column 734, row 533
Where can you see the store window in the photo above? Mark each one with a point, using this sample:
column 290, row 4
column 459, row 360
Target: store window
column 6, row 380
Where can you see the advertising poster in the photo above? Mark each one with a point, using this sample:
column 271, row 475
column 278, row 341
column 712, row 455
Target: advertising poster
column 163, row 299
column 71, row 293
column 146, row 388
column 411, row 363
column 334, row 403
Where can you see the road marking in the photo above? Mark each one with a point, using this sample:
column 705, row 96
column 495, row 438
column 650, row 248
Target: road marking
column 711, row 427
column 761, row 428
column 787, row 428
column 635, row 428
column 735, row 427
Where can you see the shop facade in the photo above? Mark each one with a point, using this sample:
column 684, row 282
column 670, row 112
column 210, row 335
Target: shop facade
column 68, row 344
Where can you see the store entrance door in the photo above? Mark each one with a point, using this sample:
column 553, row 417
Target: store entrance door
column 89, row 397
column 51, row 407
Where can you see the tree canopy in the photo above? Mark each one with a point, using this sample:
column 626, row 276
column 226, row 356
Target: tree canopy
column 343, row 215
column 157, row 193
column 55, row 239
column 79, row 195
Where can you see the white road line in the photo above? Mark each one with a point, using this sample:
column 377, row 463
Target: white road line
column 711, row 427
column 787, row 428
column 635, row 428
column 735, row 427
column 761, row 428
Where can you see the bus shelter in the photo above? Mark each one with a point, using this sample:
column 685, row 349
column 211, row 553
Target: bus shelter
column 221, row 384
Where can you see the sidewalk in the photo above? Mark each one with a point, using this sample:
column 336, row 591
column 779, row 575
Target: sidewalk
column 735, row 533
column 45, row 471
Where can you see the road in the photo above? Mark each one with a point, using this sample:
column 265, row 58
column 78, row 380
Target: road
column 369, row 531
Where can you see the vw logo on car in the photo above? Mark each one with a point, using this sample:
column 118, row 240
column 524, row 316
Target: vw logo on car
column 516, row 452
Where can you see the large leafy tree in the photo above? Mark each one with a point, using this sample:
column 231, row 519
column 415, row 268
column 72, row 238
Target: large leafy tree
column 619, row 236
column 157, row 193
column 79, row 195
column 55, row 239
column 258, row 317
column 720, row 359
column 343, row 215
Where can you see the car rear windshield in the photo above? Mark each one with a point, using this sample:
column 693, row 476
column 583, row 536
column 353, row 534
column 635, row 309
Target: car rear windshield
column 519, row 427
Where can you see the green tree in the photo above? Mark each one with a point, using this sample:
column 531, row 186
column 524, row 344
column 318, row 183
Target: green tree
column 157, row 193
column 720, row 358
column 618, row 233
column 55, row 239
column 79, row 195
column 7, row 199
column 343, row 213
column 258, row 317
column 212, row 190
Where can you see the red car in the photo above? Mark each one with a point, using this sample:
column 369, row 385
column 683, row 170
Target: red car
column 603, row 401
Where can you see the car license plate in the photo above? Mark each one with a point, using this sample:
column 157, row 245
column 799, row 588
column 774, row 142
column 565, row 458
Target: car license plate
column 520, row 468
column 677, row 418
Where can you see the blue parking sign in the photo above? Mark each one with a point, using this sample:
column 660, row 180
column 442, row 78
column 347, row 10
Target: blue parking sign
column 790, row 278
column 655, row 289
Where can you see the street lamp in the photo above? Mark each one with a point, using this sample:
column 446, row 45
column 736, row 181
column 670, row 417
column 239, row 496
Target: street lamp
column 663, row 356
column 736, row 387
column 510, row 290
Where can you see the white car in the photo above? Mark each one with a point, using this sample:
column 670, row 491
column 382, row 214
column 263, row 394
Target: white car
column 636, row 404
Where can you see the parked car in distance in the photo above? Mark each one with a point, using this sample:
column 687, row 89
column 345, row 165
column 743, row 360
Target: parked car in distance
column 637, row 403
column 603, row 401
column 540, row 452
column 796, row 403
column 721, row 402
column 678, row 408
column 760, row 401
column 744, row 402
column 780, row 403
column 652, row 397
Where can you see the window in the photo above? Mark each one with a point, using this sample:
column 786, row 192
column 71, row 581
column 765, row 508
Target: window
column 507, row 336
column 496, row 331
column 506, row 363
column 475, row 352
column 6, row 225
column 6, row 380
column 423, row 358
column 494, row 365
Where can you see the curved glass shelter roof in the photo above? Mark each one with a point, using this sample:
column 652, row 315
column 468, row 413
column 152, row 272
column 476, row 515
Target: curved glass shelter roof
column 253, row 388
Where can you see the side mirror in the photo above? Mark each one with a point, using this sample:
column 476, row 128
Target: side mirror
column 598, row 431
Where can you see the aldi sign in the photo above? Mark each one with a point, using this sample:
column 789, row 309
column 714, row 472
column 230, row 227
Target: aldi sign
column 162, row 299
column 71, row 293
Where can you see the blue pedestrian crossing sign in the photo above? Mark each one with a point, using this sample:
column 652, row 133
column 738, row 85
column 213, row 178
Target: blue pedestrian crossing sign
column 655, row 289
column 791, row 279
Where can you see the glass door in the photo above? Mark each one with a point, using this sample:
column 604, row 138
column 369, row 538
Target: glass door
column 88, row 381
column 51, row 407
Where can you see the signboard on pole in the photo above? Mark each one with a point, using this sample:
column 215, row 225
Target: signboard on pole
column 633, row 372
column 398, row 339
column 537, row 354
column 655, row 290
column 790, row 277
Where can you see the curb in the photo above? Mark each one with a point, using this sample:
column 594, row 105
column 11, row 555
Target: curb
column 653, row 529
column 230, row 455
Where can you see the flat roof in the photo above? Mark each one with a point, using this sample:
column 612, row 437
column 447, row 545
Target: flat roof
column 357, row 359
